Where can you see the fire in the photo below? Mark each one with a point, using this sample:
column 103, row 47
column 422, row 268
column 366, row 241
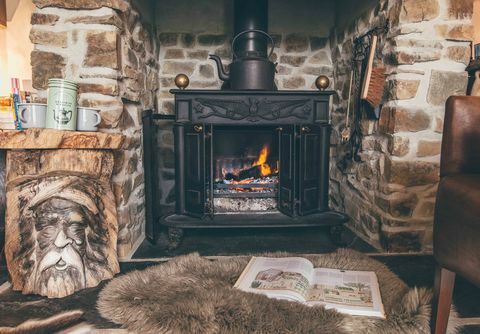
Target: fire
column 261, row 161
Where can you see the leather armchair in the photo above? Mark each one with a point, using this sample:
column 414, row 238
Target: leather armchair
column 456, row 230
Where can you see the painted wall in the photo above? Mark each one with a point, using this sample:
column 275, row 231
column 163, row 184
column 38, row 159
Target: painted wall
column 15, row 45
column 216, row 16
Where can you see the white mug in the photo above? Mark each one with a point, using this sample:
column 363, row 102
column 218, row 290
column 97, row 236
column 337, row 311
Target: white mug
column 32, row 115
column 88, row 119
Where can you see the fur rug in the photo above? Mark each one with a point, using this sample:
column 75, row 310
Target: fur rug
column 45, row 326
column 191, row 294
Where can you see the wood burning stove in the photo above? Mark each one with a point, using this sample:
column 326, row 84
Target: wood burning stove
column 248, row 155
column 249, row 159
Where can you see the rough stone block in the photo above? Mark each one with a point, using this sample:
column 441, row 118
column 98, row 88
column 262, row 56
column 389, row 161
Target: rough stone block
column 419, row 10
column 411, row 173
column 168, row 38
column 46, row 65
column 417, row 56
column 121, row 5
column 283, row 70
column 224, row 52
column 425, row 208
column 398, row 146
column 204, row 84
column 317, row 43
column 293, row 82
column 397, row 119
column 102, row 49
column 460, row 9
column 296, row 43
column 110, row 19
column 320, row 57
column 174, row 54
column 105, row 89
column 428, row 148
column 44, row 19
column 293, row 60
column 438, row 124
column 399, row 89
column 206, row 71
column 439, row 91
column 211, row 39
column 318, row 70
column 44, row 37
column 459, row 54
column 457, row 31
column 174, row 68
column 187, row 40
column 197, row 54
column 397, row 204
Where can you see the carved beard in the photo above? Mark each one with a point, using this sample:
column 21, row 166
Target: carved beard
column 60, row 273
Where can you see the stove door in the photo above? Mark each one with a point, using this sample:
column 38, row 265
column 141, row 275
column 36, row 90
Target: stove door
column 287, row 170
column 309, row 187
column 195, row 177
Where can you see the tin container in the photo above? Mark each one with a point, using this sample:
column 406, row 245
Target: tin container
column 62, row 105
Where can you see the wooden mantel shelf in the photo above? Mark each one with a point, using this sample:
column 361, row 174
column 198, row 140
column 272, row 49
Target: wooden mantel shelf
column 39, row 139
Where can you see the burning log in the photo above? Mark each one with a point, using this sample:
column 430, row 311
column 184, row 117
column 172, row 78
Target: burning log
column 252, row 172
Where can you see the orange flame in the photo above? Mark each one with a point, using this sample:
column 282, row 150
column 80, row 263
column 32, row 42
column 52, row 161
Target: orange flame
column 261, row 161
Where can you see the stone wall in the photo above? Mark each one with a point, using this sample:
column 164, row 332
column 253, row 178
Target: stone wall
column 390, row 195
column 301, row 59
column 107, row 48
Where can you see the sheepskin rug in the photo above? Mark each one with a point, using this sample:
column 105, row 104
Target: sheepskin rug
column 191, row 294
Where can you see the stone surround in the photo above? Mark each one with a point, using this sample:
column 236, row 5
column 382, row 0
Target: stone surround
column 110, row 51
column 124, row 66
column 391, row 194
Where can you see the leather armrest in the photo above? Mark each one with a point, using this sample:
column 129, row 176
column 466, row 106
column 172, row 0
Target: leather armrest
column 461, row 136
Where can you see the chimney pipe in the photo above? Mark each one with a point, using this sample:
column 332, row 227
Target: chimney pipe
column 248, row 15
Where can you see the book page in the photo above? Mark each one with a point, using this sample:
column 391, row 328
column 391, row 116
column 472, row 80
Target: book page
column 352, row 292
column 277, row 277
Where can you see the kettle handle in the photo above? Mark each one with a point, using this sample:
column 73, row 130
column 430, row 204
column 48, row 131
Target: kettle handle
column 253, row 30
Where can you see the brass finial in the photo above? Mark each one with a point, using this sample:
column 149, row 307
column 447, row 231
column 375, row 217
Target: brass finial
column 322, row 82
column 181, row 81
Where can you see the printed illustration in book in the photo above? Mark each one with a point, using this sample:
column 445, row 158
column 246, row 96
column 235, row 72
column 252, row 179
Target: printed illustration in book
column 295, row 278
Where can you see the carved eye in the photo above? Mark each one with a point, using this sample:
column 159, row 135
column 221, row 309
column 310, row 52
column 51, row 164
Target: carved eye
column 77, row 230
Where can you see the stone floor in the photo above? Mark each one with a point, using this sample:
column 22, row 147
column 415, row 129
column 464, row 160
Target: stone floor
column 415, row 270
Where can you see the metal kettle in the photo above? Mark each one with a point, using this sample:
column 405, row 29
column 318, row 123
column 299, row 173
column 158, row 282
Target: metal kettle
column 251, row 71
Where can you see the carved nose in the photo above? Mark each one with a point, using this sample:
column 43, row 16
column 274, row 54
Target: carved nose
column 62, row 240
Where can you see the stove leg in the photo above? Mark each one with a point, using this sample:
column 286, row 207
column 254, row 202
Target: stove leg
column 175, row 236
column 338, row 237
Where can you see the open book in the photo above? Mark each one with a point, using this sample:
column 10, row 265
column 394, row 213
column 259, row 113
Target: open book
column 295, row 278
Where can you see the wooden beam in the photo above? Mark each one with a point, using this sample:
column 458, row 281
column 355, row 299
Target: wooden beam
column 3, row 13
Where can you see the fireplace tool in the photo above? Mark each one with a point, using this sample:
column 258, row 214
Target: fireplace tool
column 364, row 48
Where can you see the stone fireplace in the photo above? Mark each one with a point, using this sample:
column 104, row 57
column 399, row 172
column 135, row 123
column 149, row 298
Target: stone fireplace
column 125, row 56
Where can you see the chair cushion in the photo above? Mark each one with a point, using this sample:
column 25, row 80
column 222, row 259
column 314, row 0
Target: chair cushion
column 456, row 231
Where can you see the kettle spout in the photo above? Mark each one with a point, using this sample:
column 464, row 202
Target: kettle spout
column 221, row 72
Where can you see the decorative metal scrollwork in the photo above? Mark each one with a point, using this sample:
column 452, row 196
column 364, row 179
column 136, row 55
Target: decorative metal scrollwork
column 253, row 109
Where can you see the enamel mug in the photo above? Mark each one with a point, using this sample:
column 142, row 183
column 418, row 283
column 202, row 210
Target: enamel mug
column 88, row 119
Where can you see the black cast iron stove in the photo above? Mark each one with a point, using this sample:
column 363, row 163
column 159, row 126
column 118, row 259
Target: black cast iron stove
column 250, row 157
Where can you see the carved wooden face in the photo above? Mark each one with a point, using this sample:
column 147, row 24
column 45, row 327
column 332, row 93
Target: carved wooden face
column 64, row 233
column 61, row 238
